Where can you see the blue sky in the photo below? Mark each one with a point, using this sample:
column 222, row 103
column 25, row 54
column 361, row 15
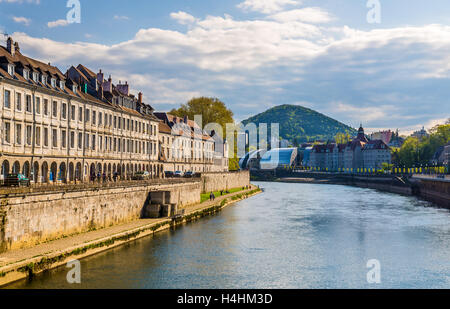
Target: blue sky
column 255, row 54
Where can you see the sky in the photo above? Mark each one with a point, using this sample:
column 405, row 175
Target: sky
column 255, row 54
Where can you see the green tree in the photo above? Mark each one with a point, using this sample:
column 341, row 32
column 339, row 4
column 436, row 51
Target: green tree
column 342, row 138
column 212, row 110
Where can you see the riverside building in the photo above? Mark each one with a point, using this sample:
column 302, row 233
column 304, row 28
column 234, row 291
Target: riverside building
column 59, row 127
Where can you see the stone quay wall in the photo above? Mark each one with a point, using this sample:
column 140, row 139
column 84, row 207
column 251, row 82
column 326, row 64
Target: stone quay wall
column 212, row 182
column 27, row 219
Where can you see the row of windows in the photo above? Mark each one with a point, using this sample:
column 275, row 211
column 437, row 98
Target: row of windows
column 100, row 118
column 105, row 143
column 35, row 76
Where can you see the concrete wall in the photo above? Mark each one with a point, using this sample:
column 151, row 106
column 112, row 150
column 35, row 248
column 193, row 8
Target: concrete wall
column 223, row 181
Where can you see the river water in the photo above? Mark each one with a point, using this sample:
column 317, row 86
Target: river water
column 290, row 236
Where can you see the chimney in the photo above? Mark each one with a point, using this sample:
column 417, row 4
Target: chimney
column 140, row 97
column 100, row 77
column 124, row 89
column 10, row 46
column 16, row 46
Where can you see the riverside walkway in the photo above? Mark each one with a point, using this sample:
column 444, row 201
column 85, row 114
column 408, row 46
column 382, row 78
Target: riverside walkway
column 17, row 258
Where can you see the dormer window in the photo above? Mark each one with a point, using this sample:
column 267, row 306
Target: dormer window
column 26, row 74
column 61, row 84
column 44, row 79
column 36, row 76
column 11, row 70
column 74, row 89
column 53, row 82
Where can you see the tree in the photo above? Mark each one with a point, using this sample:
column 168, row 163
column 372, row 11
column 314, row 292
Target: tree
column 212, row 110
column 342, row 138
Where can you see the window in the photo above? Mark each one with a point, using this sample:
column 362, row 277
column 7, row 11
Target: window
column 115, row 120
column 35, row 77
column 18, row 101
column 11, row 70
column 100, row 117
column 8, row 132
column 55, row 109
column 38, row 136
column 93, row 141
column 46, row 137
column 7, row 99
column 63, row 138
column 28, row 135
column 64, row 111
column 28, row 103
column 80, row 113
column 44, row 79
column 120, row 123
column 128, row 124
column 80, row 140
column 45, row 107
column 74, row 89
column 86, row 117
column 86, row 138
column 53, row 82
column 38, row 106
column 94, row 117
column 55, row 138
column 72, row 139
column 115, row 144
column 18, row 134
column 110, row 120
column 72, row 112
column 100, row 143
column 62, row 84
column 26, row 74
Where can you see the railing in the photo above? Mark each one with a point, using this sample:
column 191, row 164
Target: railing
column 41, row 188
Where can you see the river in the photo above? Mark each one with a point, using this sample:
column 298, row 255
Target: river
column 290, row 236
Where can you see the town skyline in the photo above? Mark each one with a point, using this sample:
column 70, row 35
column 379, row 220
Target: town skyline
column 226, row 54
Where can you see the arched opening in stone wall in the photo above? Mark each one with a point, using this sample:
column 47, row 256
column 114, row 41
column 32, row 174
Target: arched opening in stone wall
column 44, row 172
column 71, row 171
column 53, row 172
column 62, row 173
column 78, row 171
column 16, row 168
column 36, row 172
column 5, row 169
column 26, row 169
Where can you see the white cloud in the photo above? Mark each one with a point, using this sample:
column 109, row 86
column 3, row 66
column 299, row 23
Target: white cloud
column 183, row 17
column 22, row 20
column 266, row 6
column 287, row 57
column 57, row 23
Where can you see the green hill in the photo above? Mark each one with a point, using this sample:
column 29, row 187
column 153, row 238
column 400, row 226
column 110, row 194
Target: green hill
column 301, row 124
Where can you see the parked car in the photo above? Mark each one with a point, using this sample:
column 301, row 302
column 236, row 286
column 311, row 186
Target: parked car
column 169, row 174
column 178, row 174
column 189, row 174
column 17, row 180
column 141, row 176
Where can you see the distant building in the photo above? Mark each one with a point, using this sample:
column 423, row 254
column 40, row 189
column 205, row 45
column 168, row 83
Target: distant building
column 356, row 154
column 385, row 136
column 441, row 156
column 420, row 134
column 278, row 158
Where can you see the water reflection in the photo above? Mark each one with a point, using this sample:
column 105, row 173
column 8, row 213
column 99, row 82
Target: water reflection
column 291, row 236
